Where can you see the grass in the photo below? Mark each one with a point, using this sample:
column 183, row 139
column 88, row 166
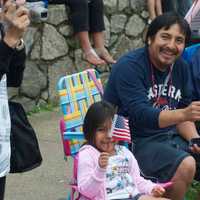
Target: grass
column 42, row 108
column 193, row 192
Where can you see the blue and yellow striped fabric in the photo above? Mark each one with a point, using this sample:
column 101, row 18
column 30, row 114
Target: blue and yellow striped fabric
column 77, row 92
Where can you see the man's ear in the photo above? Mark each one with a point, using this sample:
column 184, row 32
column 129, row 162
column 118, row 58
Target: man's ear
column 151, row 39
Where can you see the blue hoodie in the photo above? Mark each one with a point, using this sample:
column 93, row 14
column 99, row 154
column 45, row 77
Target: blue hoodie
column 195, row 69
column 130, row 88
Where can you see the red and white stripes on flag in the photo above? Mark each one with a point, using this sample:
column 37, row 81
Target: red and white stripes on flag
column 120, row 129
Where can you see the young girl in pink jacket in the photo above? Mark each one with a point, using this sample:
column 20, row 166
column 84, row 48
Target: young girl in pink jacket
column 107, row 170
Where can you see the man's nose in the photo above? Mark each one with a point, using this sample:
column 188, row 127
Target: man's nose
column 172, row 44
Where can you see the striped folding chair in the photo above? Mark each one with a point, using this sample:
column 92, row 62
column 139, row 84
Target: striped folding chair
column 77, row 92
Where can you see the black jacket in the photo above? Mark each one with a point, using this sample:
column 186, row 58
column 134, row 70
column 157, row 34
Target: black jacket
column 12, row 62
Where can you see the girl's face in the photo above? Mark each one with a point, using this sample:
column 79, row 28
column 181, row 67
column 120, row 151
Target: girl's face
column 103, row 141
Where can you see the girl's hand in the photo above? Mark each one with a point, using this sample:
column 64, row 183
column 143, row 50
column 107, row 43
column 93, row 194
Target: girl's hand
column 158, row 191
column 103, row 160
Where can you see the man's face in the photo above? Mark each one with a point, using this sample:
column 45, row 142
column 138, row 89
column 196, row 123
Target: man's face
column 166, row 46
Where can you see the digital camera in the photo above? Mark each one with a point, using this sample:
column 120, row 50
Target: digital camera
column 38, row 10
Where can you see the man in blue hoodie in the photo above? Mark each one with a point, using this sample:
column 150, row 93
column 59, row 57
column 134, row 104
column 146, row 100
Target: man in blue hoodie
column 192, row 56
column 152, row 87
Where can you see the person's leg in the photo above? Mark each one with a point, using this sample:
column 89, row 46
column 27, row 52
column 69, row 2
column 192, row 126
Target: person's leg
column 98, row 38
column 97, row 29
column 197, row 159
column 89, row 53
column 182, row 179
column 151, row 4
column 2, row 187
column 183, row 7
column 79, row 15
column 96, row 16
column 168, row 5
column 158, row 8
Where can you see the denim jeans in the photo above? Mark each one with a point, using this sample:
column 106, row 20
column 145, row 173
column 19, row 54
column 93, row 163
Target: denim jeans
column 179, row 6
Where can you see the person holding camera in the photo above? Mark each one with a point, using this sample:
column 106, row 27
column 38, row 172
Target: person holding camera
column 152, row 87
column 14, row 22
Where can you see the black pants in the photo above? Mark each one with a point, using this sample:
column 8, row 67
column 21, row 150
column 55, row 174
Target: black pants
column 181, row 7
column 2, row 187
column 86, row 15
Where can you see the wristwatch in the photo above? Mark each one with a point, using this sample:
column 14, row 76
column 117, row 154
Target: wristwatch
column 20, row 45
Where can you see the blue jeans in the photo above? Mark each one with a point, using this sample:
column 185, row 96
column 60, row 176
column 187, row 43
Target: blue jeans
column 179, row 6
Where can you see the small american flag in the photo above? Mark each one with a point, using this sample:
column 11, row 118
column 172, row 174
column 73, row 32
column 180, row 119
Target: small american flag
column 120, row 130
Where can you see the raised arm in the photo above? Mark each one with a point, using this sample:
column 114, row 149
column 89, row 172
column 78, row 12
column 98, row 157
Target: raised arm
column 90, row 175
column 12, row 53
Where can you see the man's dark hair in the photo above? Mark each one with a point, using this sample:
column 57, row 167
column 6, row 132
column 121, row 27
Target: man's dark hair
column 95, row 117
column 166, row 21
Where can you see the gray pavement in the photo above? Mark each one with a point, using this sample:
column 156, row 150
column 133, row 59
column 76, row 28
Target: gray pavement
column 49, row 181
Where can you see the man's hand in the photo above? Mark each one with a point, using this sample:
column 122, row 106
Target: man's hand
column 17, row 21
column 192, row 112
column 103, row 160
column 158, row 191
column 195, row 148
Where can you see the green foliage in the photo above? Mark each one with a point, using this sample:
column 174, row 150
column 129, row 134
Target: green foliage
column 41, row 108
column 194, row 191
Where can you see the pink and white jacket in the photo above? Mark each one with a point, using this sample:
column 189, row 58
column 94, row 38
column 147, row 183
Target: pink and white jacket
column 91, row 178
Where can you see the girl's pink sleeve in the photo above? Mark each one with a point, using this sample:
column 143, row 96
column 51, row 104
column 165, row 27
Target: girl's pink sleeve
column 90, row 176
column 143, row 185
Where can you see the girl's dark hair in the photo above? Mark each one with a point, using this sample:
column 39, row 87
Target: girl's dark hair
column 166, row 21
column 96, row 115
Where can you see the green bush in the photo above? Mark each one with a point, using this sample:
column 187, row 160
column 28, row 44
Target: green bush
column 194, row 191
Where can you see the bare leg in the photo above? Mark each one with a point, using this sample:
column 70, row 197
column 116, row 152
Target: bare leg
column 89, row 53
column 98, row 38
column 182, row 179
column 151, row 8
column 158, row 7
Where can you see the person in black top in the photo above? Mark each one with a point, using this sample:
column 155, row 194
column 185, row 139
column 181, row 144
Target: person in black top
column 179, row 6
column 15, row 21
column 87, row 17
